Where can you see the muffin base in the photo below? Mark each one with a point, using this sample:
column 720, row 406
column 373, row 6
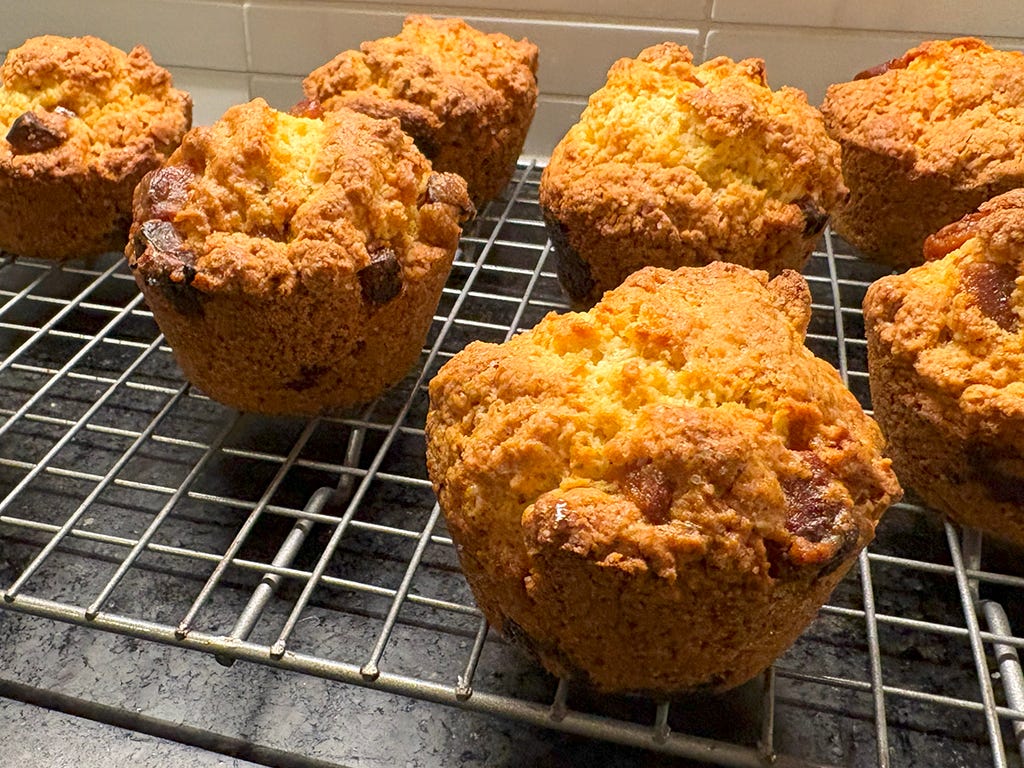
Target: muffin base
column 892, row 208
column 735, row 625
column 966, row 469
column 65, row 217
column 596, row 251
column 298, row 354
column 488, row 163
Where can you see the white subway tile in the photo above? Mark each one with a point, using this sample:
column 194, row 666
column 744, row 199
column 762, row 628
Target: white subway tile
column 993, row 17
column 806, row 58
column 212, row 91
column 574, row 57
column 676, row 10
column 555, row 115
column 187, row 33
column 294, row 39
column 280, row 91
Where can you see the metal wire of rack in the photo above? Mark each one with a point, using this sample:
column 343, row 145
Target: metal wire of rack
column 114, row 472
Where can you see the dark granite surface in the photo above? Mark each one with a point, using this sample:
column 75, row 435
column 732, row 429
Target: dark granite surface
column 39, row 737
column 256, row 710
column 272, row 716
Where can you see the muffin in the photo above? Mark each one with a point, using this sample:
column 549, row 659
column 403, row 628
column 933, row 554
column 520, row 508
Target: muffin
column 946, row 369
column 467, row 98
column 657, row 496
column 294, row 264
column 926, row 138
column 81, row 122
column 674, row 165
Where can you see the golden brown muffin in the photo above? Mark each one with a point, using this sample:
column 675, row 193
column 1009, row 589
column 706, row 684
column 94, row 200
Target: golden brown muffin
column 926, row 139
column 946, row 365
column 82, row 122
column 659, row 494
column 294, row 264
column 674, row 165
column 467, row 98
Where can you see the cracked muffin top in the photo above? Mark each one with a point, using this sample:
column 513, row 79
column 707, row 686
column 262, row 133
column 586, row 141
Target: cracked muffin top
column 697, row 131
column 681, row 418
column 957, row 317
column 466, row 97
column 265, row 201
column 953, row 107
column 443, row 65
column 71, row 105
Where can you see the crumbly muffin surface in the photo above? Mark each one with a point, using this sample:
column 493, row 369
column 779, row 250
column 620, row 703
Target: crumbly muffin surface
column 81, row 122
column 265, row 200
column 109, row 109
column 294, row 263
column 719, row 119
column 926, row 139
column 946, row 364
column 466, row 97
column 433, row 63
column 678, row 440
column 674, row 164
column 947, row 106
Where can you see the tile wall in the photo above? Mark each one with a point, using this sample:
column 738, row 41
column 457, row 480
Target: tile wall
column 228, row 51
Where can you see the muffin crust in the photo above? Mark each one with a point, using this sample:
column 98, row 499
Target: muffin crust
column 467, row 98
column 294, row 264
column 659, row 494
column 81, row 123
column 673, row 164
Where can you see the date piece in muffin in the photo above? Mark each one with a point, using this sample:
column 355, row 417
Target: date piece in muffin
column 81, row 122
column 673, row 164
column 946, row 364
column 467, row 98
column 659, row 494
column 926, row 138
column 294, row 264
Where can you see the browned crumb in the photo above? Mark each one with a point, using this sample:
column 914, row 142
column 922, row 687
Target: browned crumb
column 675, row 457
column 674, row 164
column 467, row 98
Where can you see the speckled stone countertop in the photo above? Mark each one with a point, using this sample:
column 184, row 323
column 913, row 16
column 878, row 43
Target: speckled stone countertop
column 264, row 713
column 37, row 736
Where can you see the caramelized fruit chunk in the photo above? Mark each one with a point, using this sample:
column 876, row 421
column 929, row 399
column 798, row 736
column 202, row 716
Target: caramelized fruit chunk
column 38, row 131
column 170, row 264
column 952, row 236
column 651, row 490
column 991, row 286
column 311, row 108
column 812, row 514
column 168, row 190
column 381, row 280
column 900, row 62
column 161, row 235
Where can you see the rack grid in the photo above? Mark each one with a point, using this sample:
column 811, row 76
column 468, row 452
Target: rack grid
column 114, row 470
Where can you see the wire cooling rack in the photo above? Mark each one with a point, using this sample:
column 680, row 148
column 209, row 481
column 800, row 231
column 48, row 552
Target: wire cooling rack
column 115, row 473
